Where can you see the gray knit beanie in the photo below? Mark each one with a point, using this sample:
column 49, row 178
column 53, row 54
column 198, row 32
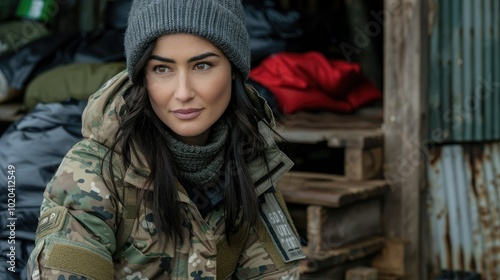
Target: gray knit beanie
column 222, row 22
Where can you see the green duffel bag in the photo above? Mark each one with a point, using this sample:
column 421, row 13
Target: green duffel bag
column 15, row 34
column 76, row 80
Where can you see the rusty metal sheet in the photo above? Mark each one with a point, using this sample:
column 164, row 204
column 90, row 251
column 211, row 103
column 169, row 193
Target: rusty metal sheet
column 461, row 193
column 437, row 209
column 454, row 221
column 477, row 73
column 464, row 207
column 475, row 225
column 455, row 116
column 467, row 64
column 464, row 73
column 487, row 71
column 435, row 112
column 490, row 182
column 446, row 79
column 485, row 219
column 495, row 87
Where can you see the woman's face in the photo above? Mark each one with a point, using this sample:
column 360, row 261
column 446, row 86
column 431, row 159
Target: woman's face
column 189, row 85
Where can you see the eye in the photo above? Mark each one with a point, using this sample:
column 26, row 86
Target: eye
column 160, row 69
column 203, row 66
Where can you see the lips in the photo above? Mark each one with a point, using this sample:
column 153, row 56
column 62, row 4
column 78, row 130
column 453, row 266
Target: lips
column 186, row 114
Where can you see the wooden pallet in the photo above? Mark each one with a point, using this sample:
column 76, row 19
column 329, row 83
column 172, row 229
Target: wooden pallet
column 361, row 273
column 330, row 211
column 330, row 228
column 336, row 271
column 390, row 261
column 315, row 262
column 366, row 118
column 362, row 148
column 328, row 190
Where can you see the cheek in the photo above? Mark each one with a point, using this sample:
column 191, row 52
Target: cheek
column 153, row 98
column 221, row 92
column 156, row 97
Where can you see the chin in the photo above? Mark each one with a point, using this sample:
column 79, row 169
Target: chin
column 188, row 133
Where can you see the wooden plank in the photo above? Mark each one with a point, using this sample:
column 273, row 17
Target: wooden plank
column 405, row 121
column 317, row 261
column 353, row 138
column 335, row 271
column 331, row 228
column 330, row 120
column 391, row 259
column 361, row 273
column 363, row 164
column 297, row 175
column 389, row 277
column 329, row 193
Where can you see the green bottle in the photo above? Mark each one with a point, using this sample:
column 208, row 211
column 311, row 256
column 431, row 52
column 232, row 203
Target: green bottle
column 40, row 10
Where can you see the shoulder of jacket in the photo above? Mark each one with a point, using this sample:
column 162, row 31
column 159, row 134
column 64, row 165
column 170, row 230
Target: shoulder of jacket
column 101, row 117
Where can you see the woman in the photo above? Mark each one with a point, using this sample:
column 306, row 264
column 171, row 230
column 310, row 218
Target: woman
column 176, row 176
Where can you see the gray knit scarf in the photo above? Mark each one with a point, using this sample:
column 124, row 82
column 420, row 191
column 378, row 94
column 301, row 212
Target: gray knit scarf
column 197, row 165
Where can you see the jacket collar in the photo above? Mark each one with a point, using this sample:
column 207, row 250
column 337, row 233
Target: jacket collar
column 262, row 176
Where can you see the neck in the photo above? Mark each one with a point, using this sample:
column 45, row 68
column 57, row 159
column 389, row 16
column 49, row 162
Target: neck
column 197, row 164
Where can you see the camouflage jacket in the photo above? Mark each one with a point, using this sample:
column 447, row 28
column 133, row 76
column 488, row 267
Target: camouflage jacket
column 81, row 219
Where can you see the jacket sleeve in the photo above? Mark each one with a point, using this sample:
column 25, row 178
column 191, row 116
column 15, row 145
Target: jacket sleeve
column 77, row 224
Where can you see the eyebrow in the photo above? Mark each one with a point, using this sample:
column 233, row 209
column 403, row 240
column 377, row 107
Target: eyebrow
column 192, row 59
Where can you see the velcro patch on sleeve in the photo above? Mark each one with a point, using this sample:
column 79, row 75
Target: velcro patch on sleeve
column 80, row 261
column 278, row 227
column 51, row 220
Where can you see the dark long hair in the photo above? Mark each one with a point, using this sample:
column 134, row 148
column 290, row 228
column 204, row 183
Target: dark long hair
column 141, row 132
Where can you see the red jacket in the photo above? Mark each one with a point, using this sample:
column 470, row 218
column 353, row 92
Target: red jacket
column 310, row 81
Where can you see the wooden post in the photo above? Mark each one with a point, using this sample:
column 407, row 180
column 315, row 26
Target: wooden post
column 391, row 260
column 405, row 57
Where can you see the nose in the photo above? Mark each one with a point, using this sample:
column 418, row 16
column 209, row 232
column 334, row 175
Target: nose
column 184, row 91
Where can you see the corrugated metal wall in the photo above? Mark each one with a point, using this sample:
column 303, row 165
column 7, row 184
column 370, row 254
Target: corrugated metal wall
column 464, row 207
column 464, row 72
column 464, row 107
